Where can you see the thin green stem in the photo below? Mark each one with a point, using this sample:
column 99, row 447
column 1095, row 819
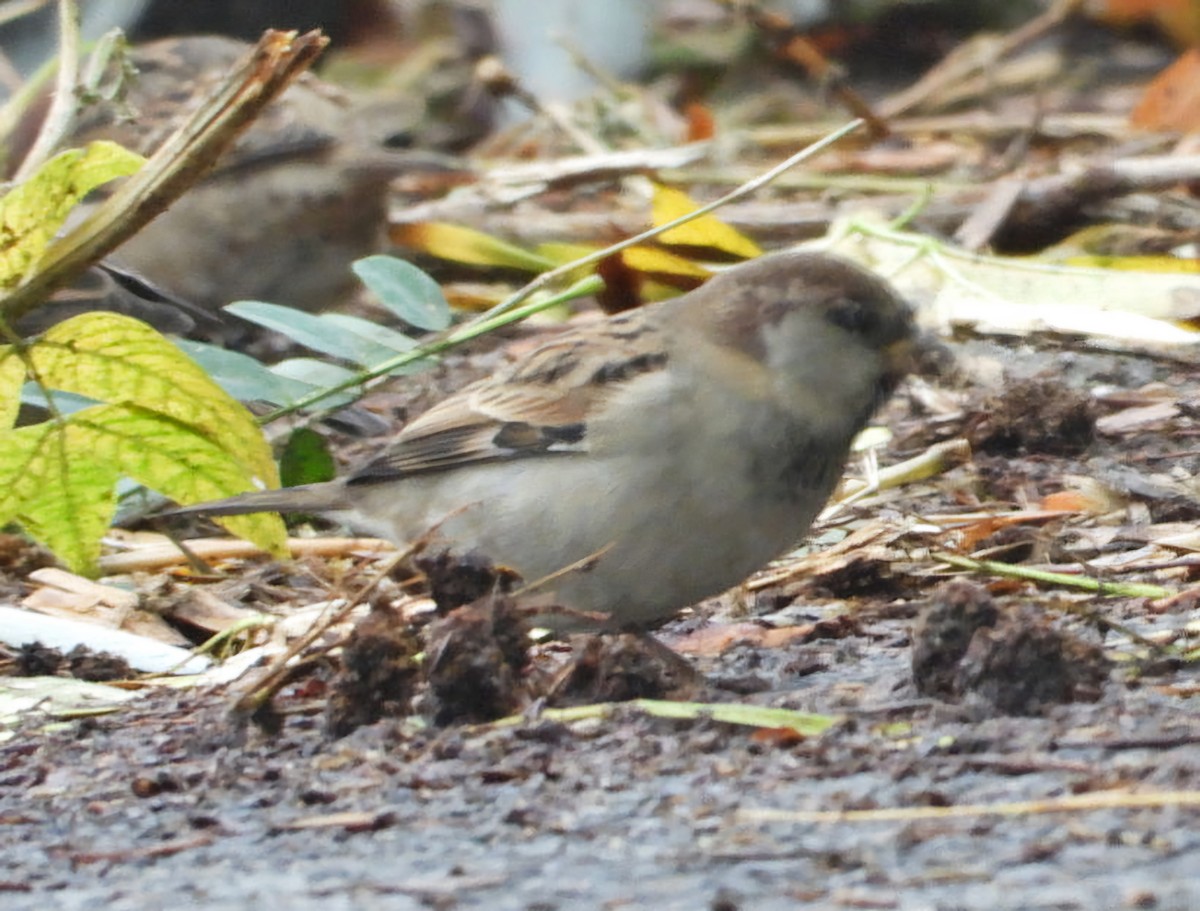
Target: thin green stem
column 514, row 308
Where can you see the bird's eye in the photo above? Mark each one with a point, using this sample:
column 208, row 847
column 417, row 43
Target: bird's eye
column 853, row 316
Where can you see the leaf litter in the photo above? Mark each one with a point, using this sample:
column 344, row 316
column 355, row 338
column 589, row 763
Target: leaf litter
column 997, row 740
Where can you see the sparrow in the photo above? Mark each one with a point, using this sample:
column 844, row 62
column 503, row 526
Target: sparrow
column 641, row 463
column 300, row 195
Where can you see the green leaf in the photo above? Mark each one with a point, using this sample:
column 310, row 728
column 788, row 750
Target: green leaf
column 165, row 424
column 242, row 376
column 397, row 342
column 35, row 396
column 313, row 332
column 318, row 375
column 12, row 377
column 405, row 290
column 65, row 502
column 32, row 213
column 306, row 459
column 113, row 358
column 59, row 476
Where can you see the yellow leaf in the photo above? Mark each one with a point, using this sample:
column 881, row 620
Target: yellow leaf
column 466, row 245
column 707, row 231
column 114, row 358
column 165, row 424
column 58, row 477
column 663, row 263
column 12, row 378
column 1018, row 296
column 32, row 213
column 562, row 253
column 61, row 500
column 1167, row 264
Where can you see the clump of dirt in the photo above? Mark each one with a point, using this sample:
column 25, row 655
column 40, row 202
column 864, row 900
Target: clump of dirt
column 455, row 580
column 475, row 656
column 36, row 660
column 1037, row 415
column 943, row 632
column 379, row 673
column 1025, row 664
column 82, row 663
column 477, row 650
column 1011, row 657
column 869, row 572
column 18, row 558
column 624, row 667
column 465, row 666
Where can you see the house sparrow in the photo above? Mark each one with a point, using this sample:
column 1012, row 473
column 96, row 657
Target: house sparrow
column 300, row 195
column 665, row 453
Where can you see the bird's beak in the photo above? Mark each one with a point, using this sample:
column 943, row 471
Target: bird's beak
column 922, row 354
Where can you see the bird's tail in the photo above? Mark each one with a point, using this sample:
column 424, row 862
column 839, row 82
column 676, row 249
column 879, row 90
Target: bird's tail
column 309, row 498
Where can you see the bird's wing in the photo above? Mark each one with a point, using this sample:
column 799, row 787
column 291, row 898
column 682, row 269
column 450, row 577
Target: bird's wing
column 541, row 407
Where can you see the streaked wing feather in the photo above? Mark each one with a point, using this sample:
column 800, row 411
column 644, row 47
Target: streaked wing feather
column 538, row 408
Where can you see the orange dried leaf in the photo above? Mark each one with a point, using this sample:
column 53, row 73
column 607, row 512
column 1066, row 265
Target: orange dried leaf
column 777, row 737
column 701, row 124
column 639, row 274
column 716, row 640
column 1067, row 500
column 1172, row 100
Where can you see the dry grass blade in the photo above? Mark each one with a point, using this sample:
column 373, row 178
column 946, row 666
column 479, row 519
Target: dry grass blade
column 1075, row 803
column 62, row 106
column 153, row 557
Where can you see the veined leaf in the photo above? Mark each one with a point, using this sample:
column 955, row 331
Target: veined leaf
column 64, row 501
column 33, row 212
column 164, row 424
column 116, row 359
column 59, row 476
column 12, row 377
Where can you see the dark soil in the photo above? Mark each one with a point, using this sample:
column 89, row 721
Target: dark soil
column 170, row 803
column 999, row 746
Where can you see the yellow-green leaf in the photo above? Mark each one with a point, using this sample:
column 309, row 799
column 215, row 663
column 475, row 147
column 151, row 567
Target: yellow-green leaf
column 707, row 231
column 60, row 499
column 663, row 263
column 466, row 245
column 57, row 478
column 12, row 378
column 561, row 253
column 113, row 358
column 32, row 213
column 1167, row 264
